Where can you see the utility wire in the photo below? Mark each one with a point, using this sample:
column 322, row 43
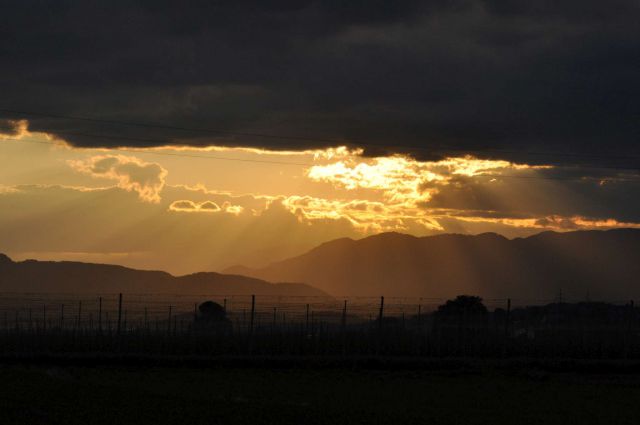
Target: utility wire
column 137, row 151
column 307, row 164
column 302, row 138
column 112, row 137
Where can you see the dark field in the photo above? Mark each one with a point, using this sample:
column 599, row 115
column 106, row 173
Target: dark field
column 117, row 394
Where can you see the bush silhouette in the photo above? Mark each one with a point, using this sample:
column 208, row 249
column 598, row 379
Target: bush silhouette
column 212, row 311
column 465, row 308
column 212, row 318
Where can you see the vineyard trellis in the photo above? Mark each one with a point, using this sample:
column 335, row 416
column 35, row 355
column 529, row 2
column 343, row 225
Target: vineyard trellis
column 290, row 325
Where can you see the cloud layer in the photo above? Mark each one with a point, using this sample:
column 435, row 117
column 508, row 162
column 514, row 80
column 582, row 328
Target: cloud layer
column 510, row 78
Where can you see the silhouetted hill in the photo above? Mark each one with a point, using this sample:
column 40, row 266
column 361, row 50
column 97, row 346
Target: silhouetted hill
column 65, row 276
column 599, row 263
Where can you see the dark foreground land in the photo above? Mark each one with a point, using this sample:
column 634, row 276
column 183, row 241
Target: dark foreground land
column 53, row 392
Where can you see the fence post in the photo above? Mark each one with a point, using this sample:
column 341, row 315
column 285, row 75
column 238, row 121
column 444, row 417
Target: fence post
column 119, row 312
column 506, row 326
column 307, row 321
column 274, row 318
column 79, row 314
column 381, row 314
column 344, row 315
column 253, row 312
column 507, row 317
column 100, row 314
column 628, row 335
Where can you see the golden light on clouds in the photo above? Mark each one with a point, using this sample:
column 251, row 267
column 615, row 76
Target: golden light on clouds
column 204, row 207
column 221, row 204
column 406, row 185
column 131, row 174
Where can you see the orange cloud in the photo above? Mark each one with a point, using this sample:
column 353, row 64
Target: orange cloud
column 365, row 216
column 554, row 222
column 204, row 207
column 132, row 174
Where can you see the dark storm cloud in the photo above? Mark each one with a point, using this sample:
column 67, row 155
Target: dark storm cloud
column 562, row 191
column 478, row 76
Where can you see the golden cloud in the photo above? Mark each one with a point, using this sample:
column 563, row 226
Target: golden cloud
column 132, row 174
column 365, row 216
column 14, row 129
column 554, row 222
column 204, row 207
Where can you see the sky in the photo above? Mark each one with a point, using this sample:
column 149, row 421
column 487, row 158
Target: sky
column 189, row 136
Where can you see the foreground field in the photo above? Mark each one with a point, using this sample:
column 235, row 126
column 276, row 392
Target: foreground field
column 40, row 394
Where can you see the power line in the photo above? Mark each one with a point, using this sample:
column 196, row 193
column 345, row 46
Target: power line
column 176, row 154
column 112, row 137
column 303, row 138
column 307, row 164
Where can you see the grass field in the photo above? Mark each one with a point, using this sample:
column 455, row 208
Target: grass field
column 48, row 394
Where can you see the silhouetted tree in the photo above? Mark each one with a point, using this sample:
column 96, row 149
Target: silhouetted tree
column 466, row 309
column 212, row 311
column 463, row 305
column 212, row 317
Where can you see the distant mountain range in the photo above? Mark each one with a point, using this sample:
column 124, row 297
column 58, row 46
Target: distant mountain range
column 74, row 277
column 581, row 264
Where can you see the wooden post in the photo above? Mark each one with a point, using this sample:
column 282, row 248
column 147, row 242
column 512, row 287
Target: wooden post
column 119, row 312
column 627, row 338
column 274, row 318
column 99, row 314
column 381, row 314
column 79, row 314
column 62, row 316
column 253, row 312
column 506, row 326
column 313, row 322
column 195, row 311
column 146, row 320
column 307, row 320
column 344, row 316
column 44, row 317
column 224, row 305
column 169, row 322
column 506, row 321
column 343, row 327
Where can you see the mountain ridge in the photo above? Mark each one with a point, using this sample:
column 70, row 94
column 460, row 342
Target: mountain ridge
column 79, row 277
column 598, row 262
